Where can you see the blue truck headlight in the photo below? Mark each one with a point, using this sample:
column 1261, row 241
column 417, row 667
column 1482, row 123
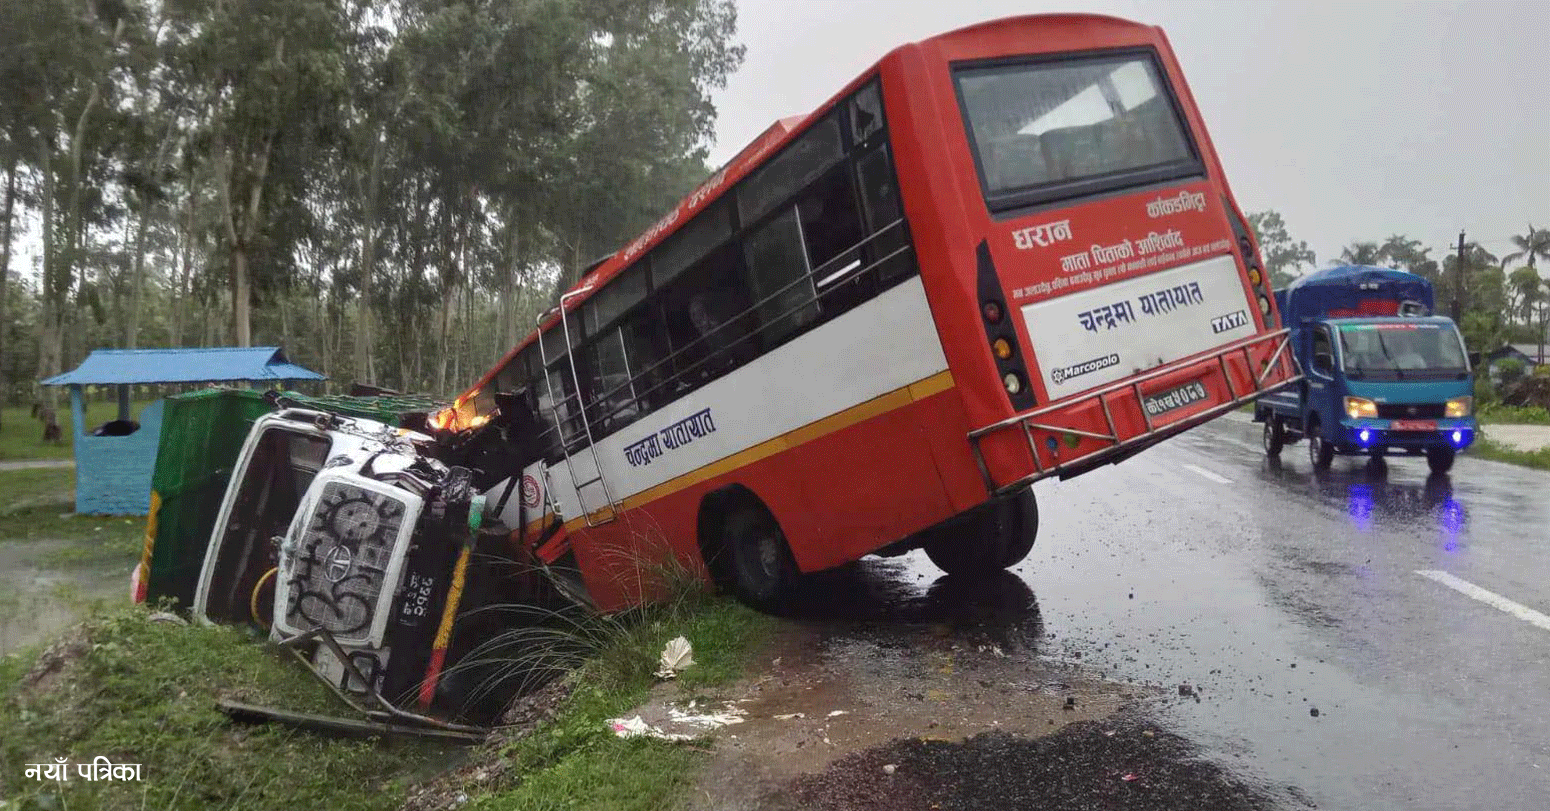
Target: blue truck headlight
column 1358, row 407
column 1460, row 407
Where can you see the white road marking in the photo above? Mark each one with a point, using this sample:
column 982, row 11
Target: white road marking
column 1490, row 598
column 1207, row 474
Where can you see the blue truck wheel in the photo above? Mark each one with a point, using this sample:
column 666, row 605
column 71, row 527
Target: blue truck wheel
column 1320, row 453
column 1275, row 436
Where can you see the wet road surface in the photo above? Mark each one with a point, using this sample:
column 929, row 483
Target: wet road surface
column 1296, row 609
column 1196, row 627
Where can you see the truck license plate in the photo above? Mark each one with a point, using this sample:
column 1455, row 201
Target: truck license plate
column 1175, row 398
column 1414, row 425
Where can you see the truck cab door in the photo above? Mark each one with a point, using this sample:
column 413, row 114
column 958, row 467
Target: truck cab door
column 1324, row 389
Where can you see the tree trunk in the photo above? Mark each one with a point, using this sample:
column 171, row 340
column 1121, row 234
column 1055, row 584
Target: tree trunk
column 363, row 355
column 49, row 327
column 5, row 267
column 137, row 279
column 242, row 328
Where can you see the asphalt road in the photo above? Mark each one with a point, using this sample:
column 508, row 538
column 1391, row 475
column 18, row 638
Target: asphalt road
column 1409, row 611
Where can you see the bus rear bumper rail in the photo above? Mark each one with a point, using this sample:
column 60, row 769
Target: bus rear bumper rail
column 1120, row 448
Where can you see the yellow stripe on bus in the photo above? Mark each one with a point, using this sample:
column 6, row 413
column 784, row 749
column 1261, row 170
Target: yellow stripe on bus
column 838, row 421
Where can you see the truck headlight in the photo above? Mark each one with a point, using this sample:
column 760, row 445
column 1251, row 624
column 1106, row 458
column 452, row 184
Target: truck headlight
column 1358, row 407
column 1460, row 407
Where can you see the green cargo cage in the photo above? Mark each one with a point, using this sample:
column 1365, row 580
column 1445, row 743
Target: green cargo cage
column 202, row 435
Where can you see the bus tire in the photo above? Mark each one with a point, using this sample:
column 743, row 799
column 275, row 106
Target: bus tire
column 1440, row 460
column 759, row 564
column 1001, row 537
column 1320, row 453
column 1275, row 436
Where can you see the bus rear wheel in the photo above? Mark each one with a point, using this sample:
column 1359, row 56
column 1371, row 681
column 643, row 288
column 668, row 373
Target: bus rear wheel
column 761, row 569
column 998, row 538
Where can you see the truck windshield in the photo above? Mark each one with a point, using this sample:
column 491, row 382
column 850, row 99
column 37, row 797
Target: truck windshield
column 1065, row 128
column 1402, row 350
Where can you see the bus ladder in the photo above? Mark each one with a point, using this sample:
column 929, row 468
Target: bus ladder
column 586, row 425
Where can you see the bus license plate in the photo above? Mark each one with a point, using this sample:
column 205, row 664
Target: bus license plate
column 1175, row 398
column 1413, row 425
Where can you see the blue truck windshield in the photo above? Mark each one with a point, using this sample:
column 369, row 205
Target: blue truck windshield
column 1402, row 350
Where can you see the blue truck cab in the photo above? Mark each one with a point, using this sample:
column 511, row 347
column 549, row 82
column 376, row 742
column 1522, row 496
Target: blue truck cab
column 1381, row 375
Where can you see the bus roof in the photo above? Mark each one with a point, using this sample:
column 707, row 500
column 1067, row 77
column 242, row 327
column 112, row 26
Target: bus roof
column 767, row 142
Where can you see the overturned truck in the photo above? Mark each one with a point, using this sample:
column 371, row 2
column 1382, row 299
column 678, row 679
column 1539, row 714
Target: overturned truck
column 343, row 531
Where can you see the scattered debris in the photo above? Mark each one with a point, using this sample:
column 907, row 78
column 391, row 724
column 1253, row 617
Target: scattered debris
column 837, row 713
column 890, row 768
column 167, row 616
column 1186, row 690
column 1314, row 712
column 677, row 654
column 790, row 715
column 1129, row 776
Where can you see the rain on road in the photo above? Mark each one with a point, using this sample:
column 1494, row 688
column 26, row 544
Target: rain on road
column 1357, row 639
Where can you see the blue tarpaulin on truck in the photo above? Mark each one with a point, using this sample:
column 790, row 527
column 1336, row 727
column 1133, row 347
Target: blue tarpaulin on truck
column 1352, row 291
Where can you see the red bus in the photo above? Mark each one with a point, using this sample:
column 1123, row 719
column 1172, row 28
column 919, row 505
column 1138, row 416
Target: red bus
column 1004, row 253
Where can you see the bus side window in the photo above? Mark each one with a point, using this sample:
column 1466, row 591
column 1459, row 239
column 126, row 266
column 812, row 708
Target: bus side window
column 880, row 199
column 645, row 350
column 778, row 277
column 612, row 398
column 704, row 311
column 831, row 233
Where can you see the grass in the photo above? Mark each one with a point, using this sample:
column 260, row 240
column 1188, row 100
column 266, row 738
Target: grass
column 1500, row 414
column 1487, row 449
column 576, row 762
column 21, row 435
column 144, row 692
column 39, row 505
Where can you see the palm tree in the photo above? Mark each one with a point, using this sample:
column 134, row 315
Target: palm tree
column 1531, row 245
column 1361, row 253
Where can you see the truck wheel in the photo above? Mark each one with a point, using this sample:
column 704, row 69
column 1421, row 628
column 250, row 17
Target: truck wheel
column 1320, row 453
column 1275, row 435
column 1440, row 460
column 1003, row 536
column 763, row 572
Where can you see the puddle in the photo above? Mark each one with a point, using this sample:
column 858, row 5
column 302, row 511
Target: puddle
column 43, row 596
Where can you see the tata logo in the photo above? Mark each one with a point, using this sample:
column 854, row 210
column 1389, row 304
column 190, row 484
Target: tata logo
column 1229, row 321
column 337, row 563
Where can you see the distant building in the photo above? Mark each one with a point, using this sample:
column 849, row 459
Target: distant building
column 1527, row 354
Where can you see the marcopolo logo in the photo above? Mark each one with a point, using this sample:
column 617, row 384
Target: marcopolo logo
column 1085, row 367
column 1223, row 323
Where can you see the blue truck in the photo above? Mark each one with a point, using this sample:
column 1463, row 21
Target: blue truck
column 1382, row 375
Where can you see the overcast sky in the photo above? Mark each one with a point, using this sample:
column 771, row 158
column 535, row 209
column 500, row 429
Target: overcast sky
column 1355, row 121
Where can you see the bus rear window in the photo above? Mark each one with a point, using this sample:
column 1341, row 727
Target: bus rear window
column 1053, row 130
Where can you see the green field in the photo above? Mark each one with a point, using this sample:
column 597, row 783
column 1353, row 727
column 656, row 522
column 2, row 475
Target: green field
column 21, row 435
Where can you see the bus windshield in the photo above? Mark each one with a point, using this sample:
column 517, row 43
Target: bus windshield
column 1049, row 130
column 1402, row 350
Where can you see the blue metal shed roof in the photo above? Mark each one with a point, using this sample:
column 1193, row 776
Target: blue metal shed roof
column 109, row 366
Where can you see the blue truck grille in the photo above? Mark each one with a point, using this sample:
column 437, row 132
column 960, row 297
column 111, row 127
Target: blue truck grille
column 1411, row 411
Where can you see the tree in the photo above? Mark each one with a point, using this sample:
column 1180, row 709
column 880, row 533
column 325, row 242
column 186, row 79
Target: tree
column 1284, row 258
column 1361, row 253
column 1531, row 245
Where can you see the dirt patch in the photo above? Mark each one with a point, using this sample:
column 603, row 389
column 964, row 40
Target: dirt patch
column 1113, row 764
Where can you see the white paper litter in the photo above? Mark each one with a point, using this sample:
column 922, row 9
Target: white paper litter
column 637, row 728
column 677, row 654
column 790, row 715
column 837, row 713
